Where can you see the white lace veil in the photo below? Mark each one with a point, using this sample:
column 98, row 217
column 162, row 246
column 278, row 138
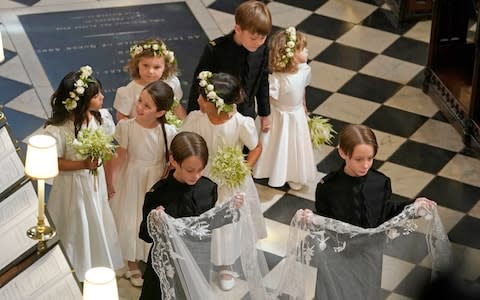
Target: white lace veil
column 348, row 260
column 182, row 251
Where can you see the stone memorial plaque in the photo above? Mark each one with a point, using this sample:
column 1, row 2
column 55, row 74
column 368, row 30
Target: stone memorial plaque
column 101, row 38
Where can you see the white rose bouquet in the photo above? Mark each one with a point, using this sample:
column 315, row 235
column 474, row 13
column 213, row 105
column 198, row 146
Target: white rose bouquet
column 94, row 144
column 321, row 131
column 229, row 167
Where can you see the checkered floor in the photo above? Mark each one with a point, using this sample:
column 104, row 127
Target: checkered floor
column 365, row 69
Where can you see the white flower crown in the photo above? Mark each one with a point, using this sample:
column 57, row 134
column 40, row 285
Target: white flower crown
column 155, row 47
column 212, row 96
column 79, row 87
column 289, row 50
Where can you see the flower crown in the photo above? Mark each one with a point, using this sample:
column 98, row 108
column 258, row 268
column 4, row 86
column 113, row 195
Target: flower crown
column 158, row 48
column 212, row 96
column 79, row 87
column 289, row 49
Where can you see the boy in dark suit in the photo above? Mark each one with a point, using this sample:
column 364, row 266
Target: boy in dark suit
column 244, row 54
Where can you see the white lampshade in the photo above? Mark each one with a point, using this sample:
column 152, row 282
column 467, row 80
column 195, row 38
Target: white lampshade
column 41, row 161
column 100, row 284
column 2, row 55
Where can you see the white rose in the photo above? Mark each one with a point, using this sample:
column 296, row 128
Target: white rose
column 86, row 70
column 79, row 83
column 80, row 90
column 290, row 54
column 219, row 102
column 147, row 46
column 202, row 83
column 70, row 104
column 210, row 87
column 155, row 47
column 138, row 50
column 291, row 44
column 72, row 95
column 212, row 95
column 163, row 47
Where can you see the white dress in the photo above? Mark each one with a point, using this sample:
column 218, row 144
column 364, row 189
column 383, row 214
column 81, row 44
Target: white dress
column 240, row 131
column 80, row 212
column 144, row 167
column 127, row 96
column 287, row 149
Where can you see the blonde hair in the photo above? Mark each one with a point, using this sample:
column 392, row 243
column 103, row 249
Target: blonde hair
column 254, row 17
column 132, row 65
column 277, row 44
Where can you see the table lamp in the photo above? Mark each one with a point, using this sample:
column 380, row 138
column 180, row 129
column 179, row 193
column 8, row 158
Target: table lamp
column 41, row 163
column 100, row 284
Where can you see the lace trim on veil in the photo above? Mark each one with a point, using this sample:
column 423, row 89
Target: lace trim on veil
column 176, row 242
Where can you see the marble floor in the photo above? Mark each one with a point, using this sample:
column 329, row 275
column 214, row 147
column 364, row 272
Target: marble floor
column 365, row 70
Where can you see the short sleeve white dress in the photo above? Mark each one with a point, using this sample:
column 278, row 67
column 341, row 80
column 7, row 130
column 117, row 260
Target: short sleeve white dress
column 126, row 96
column 80, row 210
column 287, row 149
column 144, row 167
column 238, row 130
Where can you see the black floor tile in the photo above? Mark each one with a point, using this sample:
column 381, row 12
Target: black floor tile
column 402, row 246
column 370, row 88
column 385, row 20
column 466, row 232
column 331, row 162
column 264, row 181
column 395, row 121
column 306, row 4
column 451, row 193
column 421, row 156
column 315, row 97
column 413, row 284
column 271, row 259
column 325, row 27
column 439, row 116
column 417, row 81
column 27, row 2
column 409, row 50
column 227, row 6
column 286, row 207
column 345, row 56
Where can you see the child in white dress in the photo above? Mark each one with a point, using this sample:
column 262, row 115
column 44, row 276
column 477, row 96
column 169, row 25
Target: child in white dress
column 287, row 154
column 221, row 125
column 150, row 61
column 143, row 155
column 78, row 204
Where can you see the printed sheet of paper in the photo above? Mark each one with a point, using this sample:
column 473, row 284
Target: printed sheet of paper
column 10, row 163
column 48, row 278
column 18, row 212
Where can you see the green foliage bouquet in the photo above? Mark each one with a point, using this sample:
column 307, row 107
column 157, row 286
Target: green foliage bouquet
column 321, row 131
column 229, row 167
column 94, row 144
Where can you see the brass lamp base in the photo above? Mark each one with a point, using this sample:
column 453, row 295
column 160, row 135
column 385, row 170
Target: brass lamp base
column 41, row 234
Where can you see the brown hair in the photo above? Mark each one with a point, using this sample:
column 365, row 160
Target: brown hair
column 352, row 135
column 186, row 144
column 254, row 17
column 132, row 65
column 277, row 44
